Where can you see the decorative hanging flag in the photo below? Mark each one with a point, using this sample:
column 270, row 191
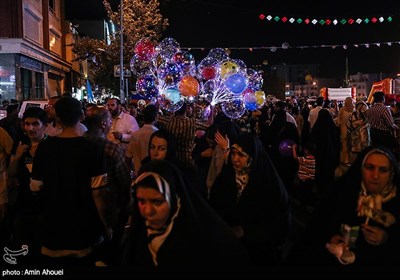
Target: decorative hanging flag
column 327, row 21
column 89, row 92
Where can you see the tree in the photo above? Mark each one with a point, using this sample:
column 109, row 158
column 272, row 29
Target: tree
column 142, row 18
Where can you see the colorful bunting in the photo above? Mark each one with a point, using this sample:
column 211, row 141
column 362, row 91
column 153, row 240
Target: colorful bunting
column 327, row 21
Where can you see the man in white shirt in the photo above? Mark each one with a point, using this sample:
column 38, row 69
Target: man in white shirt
column 123, row 124
column 138, row 147
column 52, row 127
column 313, row 116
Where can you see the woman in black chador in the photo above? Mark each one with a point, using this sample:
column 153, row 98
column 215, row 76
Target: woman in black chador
column 357, row 223
column 173, row 229
column 250, row 196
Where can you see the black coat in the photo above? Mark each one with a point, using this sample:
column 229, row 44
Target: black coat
column 262, row 209
column 199, row 240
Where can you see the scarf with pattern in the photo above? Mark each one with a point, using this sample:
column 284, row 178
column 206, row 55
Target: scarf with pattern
column 370, row 205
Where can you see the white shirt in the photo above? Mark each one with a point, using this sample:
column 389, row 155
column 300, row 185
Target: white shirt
column 125, row 124
column 138, row 147
column 313, row 116
column 54, row 130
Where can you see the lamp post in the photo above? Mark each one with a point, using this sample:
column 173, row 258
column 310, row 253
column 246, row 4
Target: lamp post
column 121, row 54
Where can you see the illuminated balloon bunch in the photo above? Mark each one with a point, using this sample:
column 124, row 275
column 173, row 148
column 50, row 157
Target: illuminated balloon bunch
column 164, row 72
column 170, row 76
column 223, row 81
column 229, row 82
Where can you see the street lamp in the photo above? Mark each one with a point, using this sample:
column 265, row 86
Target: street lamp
column 121, row 54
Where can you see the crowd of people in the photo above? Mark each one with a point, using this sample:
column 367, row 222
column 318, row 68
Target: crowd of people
column 89, row 185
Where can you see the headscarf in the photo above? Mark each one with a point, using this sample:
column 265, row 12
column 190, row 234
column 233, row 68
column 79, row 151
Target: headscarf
column 260, row 165
column 370, row 205
column 194, row 235
column 348, row 104
column 156, row 237
column 242, row 176
column 361, row 107
column 262, row 209
column 354, row 175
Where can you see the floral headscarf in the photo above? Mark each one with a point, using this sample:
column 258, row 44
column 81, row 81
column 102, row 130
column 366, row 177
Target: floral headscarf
column 370, row 205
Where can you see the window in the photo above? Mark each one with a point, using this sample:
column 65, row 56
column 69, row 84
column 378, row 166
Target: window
column 26, row 81
column 32, row 24
column 52, row 6
column 55, row 40
column 39, row 86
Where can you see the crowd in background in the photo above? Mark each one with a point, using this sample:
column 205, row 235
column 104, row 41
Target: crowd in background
column 137, row 186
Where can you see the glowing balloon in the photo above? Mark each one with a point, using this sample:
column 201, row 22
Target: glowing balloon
column 233, row 109
column 169, row 72
column 286, row 148
column 189, row 86
column 188, row 59
column 144, row 49
column 146, row 85
column 208, row 90
column 228, row 67
column 209, row 73
column 250, row 101
column 207, row 63
column 167, row 48
column 167, row 104
column 185, row 61
column 218, row 54
column 308, row 78
column 178, row 58
column 236, row 83
column 140, row 67
column 173, row 94
column 255, row 80
column 260, row 98
column 241, row 64
column 247, row 90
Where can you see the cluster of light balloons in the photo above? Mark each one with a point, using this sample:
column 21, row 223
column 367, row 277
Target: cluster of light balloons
column 169, row 76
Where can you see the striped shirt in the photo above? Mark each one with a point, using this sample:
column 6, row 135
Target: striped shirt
column 380, row 117
column 306, row 167
column 184, row 132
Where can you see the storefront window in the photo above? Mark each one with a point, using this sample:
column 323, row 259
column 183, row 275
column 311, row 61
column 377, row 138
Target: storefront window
column 7, row 77
column 39, row 87
column 26, row 87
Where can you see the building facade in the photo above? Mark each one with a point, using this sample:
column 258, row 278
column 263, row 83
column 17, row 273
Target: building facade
column 36, row 60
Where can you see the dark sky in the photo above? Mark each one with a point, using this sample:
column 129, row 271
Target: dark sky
column 235, row 24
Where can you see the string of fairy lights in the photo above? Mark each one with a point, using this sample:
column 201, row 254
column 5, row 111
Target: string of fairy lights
column 286, row 46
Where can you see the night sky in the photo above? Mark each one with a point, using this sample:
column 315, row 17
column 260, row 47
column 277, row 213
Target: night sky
column 235, row 24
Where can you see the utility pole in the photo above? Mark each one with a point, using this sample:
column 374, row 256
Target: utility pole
column 346, row 78
column 121, row 54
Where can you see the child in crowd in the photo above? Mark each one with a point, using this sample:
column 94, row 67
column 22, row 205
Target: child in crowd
column 306, row 172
